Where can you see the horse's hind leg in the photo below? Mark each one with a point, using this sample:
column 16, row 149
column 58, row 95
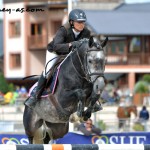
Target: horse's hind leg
column 47, row 138
column 57, row 130
column 30, row 140
column 31, row 123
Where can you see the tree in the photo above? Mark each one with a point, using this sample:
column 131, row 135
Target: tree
column 3, row 84
column 11, row 87
column 142, row 86
column 146, row 78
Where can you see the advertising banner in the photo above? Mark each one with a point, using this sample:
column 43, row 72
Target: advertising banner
column 74, row 138
column 112, row 138
column 13, row 139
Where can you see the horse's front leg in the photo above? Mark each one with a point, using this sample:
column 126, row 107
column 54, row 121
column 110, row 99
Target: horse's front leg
column 98, row 87
column 93, row 98
column 81, row 95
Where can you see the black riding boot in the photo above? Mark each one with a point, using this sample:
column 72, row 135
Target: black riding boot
column 39, row 89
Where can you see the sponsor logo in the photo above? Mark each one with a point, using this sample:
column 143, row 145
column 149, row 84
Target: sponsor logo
column 118, row 139
column 6, row 140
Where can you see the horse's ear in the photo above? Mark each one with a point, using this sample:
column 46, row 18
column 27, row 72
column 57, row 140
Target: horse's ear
column 91, row 41
column 103, row 44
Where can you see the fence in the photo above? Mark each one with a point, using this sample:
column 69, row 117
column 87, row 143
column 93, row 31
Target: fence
column 76, row 147
column 11, row 116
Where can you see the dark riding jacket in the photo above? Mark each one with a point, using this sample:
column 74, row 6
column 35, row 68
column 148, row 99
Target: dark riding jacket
column 144, row 114
column 64, row 36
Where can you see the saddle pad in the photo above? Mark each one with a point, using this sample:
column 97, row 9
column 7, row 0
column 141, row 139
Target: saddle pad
column 33, row 89
column 52, row 86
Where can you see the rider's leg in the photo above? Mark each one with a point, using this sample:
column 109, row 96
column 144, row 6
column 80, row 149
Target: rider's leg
column 42, row 80
column 39, row 89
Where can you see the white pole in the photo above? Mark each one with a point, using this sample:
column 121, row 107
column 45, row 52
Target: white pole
column 69, row 6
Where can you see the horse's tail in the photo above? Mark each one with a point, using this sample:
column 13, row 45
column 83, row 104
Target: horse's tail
column 39, row 136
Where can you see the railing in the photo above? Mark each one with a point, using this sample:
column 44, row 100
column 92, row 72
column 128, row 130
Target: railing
column 37, row 42
column 104, row 1
column 11, row 119
column 116, row 59
column 138, row 58
column 128, row 59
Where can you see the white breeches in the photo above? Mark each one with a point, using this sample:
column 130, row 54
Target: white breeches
column 51, row 58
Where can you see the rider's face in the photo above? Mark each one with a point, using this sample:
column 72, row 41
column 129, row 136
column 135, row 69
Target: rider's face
column 79, row 26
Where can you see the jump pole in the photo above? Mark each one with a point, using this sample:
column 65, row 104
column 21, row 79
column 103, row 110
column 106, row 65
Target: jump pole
column 75, row 147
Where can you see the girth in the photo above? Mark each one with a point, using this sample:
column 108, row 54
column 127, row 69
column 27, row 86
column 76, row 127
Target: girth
column 63, row 114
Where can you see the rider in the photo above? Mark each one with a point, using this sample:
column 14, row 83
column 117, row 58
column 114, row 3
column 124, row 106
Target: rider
column 65, row 40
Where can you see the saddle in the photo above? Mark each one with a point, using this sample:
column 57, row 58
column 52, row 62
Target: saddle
column 51, row 79
column 53, row 72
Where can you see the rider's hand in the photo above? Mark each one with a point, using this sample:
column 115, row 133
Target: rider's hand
column 76, row 44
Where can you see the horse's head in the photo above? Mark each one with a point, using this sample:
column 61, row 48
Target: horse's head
column 94, row 58
column 133, row 109
column 93, row 61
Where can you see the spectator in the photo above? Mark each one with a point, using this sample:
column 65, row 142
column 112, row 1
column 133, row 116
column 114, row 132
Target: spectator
column 144, row 117
column 23, row 92
column 144, row 114
column 8, row 97
column 88, row 128
column 17, row 89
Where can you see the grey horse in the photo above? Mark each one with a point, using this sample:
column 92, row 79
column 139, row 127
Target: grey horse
column 80, row 83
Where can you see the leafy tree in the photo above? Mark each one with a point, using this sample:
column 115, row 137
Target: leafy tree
column 141, row 87
column 146, row 78
column 3, row 84
column 101, row 125
column 11, row 87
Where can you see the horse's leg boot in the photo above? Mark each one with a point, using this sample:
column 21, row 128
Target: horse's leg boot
column 39, row 89
column 97, row 107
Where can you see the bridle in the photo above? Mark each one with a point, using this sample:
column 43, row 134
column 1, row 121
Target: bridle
column 85, row 67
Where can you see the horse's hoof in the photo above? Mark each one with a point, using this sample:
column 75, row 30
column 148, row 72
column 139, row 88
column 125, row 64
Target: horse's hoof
column 97, row 108
column 85, row 118
column 87, row 114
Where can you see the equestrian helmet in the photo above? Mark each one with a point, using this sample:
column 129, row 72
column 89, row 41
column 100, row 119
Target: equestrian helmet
column 77, row 15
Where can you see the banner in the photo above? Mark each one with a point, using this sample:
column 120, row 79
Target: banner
column 112, row 138
column 13, row 139
column 74, row 138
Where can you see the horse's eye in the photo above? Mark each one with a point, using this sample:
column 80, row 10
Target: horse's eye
column 90, row 61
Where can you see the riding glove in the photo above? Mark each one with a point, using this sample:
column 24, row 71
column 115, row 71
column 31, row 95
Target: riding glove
column 76, row 44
